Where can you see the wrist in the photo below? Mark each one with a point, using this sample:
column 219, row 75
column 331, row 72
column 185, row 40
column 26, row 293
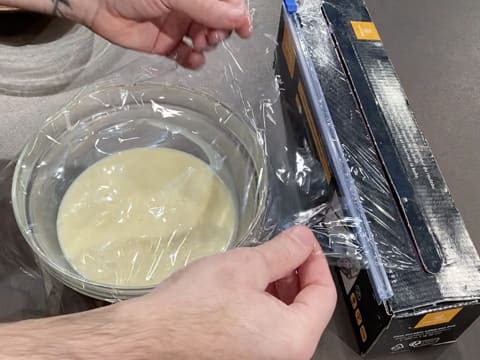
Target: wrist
column 82, row 11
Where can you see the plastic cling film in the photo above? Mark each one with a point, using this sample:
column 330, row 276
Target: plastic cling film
column 29, row 291
column 351, row 200
column 417, row 231
column 237, row 128
column 360, row 155
column 109, row 121
column 152, row 199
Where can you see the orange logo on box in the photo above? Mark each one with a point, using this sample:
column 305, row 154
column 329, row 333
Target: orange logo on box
column 358, row 317
column 353, row 300
column 438, row 318
column 365, row 30
column 363, row 333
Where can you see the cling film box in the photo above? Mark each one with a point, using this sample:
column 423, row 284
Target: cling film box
column 420, row 285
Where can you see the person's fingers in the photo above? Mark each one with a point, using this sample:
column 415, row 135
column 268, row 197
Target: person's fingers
column 187, row 57
column 282, row 255
column 171, row 33
column 287, row 288
column 199, row 35
column 140, row 36
column 195, row 60
column 317, row 298
column 217, row 14
column 244, row 30
column 217, row 36
column 272, row 290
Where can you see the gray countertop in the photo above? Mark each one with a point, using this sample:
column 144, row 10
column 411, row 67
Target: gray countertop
column 435, row 47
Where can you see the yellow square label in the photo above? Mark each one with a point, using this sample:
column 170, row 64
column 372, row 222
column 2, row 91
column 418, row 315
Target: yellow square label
column 438, row 318
column 365, row 30
column 288, row 51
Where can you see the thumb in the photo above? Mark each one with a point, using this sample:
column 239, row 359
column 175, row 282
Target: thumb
column 216, row 14
column 284, row 254
column 317, row 297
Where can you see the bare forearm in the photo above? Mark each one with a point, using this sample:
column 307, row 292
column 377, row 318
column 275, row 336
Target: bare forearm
column 101, row 334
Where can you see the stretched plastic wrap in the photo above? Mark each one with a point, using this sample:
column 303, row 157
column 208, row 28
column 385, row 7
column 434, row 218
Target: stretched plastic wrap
column 360, row 186
column 18, row 269
column 238, row 168
column 413, row 238
column 28, row 292
column 228, row 122
column 192, row 211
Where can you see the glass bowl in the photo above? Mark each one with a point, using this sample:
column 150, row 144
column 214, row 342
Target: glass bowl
column 115, row 119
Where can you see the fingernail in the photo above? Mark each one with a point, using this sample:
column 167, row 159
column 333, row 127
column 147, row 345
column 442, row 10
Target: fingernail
column 173, row 56
column 201, row 44
column 298, row 233
column 217, row 37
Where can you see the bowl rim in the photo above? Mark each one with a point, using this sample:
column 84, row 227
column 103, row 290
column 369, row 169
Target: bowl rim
column 60, row 272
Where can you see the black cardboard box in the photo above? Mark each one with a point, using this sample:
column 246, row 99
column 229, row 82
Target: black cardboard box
column 421, row 286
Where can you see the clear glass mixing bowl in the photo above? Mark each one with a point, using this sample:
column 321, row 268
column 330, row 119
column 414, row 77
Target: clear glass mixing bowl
column 114, row 119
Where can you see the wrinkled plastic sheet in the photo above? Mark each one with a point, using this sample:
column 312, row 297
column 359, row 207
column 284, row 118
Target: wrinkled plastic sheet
column 147, row 118
column 27, row 291
column 409, row 265
column 361, row 187
column 296, row 191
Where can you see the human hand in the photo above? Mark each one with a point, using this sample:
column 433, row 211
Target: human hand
column 269, row 302
column 154, row 26
column 159, row 26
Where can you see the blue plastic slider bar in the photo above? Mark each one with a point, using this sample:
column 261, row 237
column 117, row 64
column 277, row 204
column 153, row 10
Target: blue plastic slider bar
column 291, row 6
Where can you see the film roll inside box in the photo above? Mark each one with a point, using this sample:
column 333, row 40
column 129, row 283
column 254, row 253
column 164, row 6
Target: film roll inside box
column 421, row 283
